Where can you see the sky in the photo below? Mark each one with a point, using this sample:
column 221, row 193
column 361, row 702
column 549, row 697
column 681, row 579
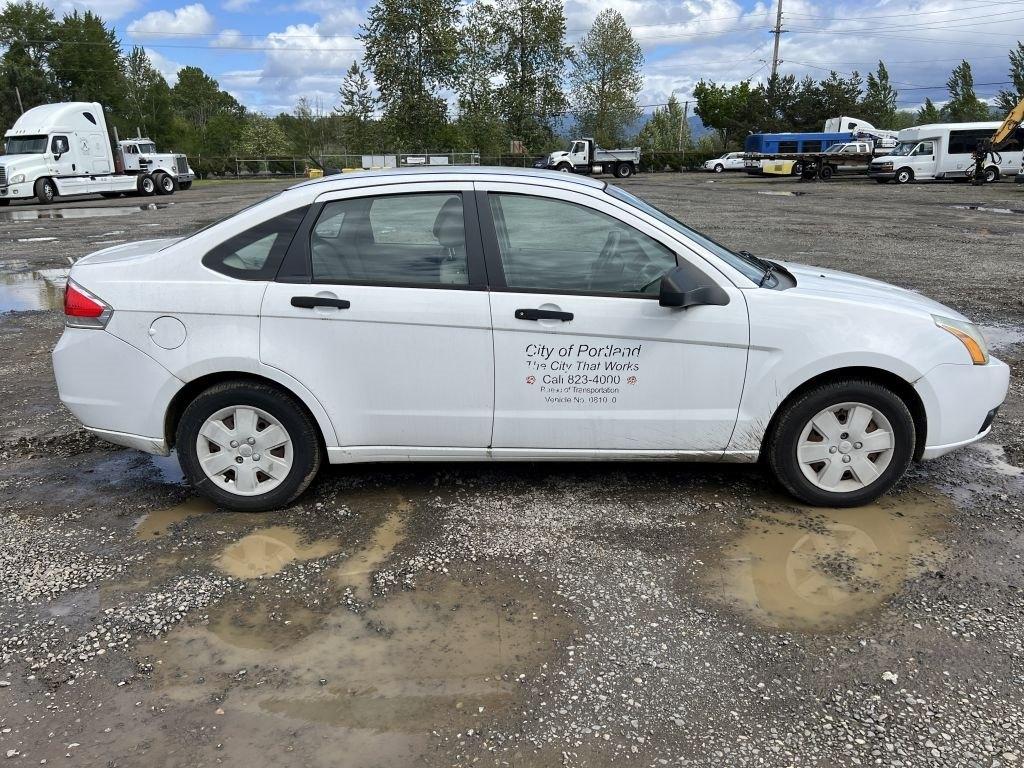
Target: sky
column 268, row 53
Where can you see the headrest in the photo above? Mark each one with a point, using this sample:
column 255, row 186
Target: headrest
column 449, row 226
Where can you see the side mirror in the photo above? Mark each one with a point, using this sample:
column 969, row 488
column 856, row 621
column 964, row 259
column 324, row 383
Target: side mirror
column 682, row 288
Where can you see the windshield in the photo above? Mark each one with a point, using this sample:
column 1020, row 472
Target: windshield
column 147, row 147
column 904, row 148
column 26, row 145
column 834, row 149
column 745, row 264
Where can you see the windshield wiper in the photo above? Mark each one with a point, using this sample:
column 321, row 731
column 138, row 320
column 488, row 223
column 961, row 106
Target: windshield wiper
column 764, row 264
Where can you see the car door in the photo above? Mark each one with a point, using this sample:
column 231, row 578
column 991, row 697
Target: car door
column 922, row 160
column 381, row 311
column 63, row 166
column 734, row 161
column 585, row 357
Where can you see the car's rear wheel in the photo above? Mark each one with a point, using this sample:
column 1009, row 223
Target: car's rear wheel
column 248, row 446
column 842, row 444
column 145, row 185
column 165, row 183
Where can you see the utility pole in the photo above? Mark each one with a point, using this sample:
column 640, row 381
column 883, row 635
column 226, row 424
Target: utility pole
column 21, row 108
column 777, row 31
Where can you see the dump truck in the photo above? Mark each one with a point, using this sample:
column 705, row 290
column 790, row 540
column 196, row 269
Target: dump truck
column 584, row 156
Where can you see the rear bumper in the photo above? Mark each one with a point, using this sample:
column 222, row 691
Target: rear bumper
column 115, row 390
column 959, row 402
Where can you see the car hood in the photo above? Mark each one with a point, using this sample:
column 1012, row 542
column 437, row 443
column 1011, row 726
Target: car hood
column 9, row 160
column 127, row 251
column 832, row 283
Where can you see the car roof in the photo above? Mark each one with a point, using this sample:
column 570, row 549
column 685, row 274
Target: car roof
column 450, row 173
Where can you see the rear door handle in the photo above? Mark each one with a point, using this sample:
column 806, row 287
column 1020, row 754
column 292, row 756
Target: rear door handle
column 308, row 302
column 543, row 314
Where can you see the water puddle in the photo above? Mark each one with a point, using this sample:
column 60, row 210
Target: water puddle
column 996, row 459
column 780, row 193
column 158, row 523
column 168, row 468
column 268, row 551
column 988, row 209
column 816, row 570
column 85, row 212
column 31, row 291
column 1002, row 337
column 445, row 656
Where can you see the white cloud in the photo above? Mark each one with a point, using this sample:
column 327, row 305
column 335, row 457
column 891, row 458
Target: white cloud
column 236, row 5
column 166, row 67
column 109, row 10
column 191, row 19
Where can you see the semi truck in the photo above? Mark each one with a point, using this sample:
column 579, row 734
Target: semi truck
column 584, row 156
column 56, row 150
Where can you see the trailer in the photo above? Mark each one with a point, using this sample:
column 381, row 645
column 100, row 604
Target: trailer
column 584, row 156
column 57, row 150
column 853, row 157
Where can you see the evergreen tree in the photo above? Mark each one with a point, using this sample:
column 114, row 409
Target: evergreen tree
column 1008, row 99
column 840, row 95
column 86, row 61
column 928, row 113
column 412, row 48
column 963, row 105
column 356, row 108
column 479, row 124
column 667, row 130
column 606, row 79
column 879, row 103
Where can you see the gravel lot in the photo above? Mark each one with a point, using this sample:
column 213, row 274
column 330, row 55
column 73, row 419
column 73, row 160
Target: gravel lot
column 519, row 615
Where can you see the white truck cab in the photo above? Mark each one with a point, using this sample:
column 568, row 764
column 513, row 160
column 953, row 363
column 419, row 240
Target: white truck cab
column 64, row 149
column 584, row 156
column 943, row 151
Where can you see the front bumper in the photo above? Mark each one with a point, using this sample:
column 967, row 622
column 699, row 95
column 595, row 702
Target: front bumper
column 959, row 401
column 881, row 174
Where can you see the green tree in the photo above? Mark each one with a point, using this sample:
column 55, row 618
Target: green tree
column 479, row 124
column 879, row 103
column 606, row 79
column 733, row 111
column 525, row 41
column 963, row 105
column 208, row 118
column 86, row 61
column 928, row 113
column 667, row 130
column 412, row 48
column 27, row 30
column 1008, row 99
column 356, row 109
column 147, row 99
column 261, row 137
column 840, row 95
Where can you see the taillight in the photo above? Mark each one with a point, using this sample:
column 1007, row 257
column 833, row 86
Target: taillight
column 83, row 309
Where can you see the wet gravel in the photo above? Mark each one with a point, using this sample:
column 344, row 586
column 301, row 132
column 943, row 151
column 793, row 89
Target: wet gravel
column 646, row 595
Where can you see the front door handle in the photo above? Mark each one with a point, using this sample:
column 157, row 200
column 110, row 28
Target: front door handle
column 308, row 302
column 543, row 314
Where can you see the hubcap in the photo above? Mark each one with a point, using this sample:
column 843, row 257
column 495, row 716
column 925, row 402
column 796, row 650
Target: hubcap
column 244, row 450
column 845, row 447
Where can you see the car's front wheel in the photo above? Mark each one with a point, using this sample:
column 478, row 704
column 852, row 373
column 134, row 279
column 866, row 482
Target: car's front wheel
column 248, row 446
column 842, row 444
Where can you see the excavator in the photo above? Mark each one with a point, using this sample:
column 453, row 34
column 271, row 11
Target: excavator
column 1010, row 128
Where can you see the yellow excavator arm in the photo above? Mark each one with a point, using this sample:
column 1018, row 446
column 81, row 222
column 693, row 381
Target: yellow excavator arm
column 1010, row 124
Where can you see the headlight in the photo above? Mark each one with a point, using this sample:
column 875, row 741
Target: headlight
column 16, row 178
column 970, row 336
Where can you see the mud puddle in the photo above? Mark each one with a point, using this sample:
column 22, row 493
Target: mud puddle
column 988, row 209
column 159, row 523
column 995, row 457
column 85, row 212
column 817, row 570
column 32, row 291
column 355, row 572
column 780, row 193
column 269, row 550
column 385, row 683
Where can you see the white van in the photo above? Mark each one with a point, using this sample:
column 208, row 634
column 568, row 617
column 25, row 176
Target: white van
column 944, row 151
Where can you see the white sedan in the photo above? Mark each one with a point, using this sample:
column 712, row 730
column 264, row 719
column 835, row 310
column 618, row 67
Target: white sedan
column 489, row 314
column 730, row 161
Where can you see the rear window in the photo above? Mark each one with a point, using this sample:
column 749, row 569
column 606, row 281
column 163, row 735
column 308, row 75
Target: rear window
column 256, row 253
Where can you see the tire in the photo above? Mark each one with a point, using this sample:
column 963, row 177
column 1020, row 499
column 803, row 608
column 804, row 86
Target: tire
column 719, row 168
column 146, row 186
column 165, row 183
column 184, row 186
column 564, row 168
column 991, row 174
column 623, row 170
column 826, row 172
column 904, row 176
column 798, row 169
column 812, row 480
column 46, row 191
column 212, row 411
